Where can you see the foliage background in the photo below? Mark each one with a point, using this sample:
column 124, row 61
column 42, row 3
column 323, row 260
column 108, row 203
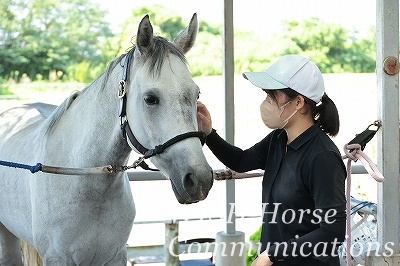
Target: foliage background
column 70, row 41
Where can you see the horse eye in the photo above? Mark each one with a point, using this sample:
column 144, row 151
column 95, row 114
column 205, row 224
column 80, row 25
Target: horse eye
column 151, row 99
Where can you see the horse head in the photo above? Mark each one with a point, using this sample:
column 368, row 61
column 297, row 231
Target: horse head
column 161, row 104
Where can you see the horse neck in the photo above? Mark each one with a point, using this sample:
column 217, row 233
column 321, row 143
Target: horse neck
column 94, row 134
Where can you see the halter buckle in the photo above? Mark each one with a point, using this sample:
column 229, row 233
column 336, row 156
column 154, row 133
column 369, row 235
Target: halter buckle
column 137, row 162
column 121, row 89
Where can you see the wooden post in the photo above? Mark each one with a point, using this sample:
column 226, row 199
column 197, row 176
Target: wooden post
column 30, row 257
column 171, row 246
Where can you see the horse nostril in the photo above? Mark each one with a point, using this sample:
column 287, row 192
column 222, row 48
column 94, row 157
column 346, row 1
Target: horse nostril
column 190, row 184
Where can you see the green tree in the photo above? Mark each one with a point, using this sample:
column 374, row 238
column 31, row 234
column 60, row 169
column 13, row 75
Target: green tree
column 165, row 22
column 361, row 55
column 252, row 54
column 254, row 238
column 41, row 36
column 205, row 58
column 331, row 46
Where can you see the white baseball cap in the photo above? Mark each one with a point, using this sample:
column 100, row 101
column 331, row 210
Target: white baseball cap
column 291, row 71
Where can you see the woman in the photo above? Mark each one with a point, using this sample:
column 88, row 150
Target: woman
column 303, row 185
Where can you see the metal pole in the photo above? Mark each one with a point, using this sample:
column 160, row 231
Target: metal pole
column 228, row 249
column 387, row 50
column 228, row 75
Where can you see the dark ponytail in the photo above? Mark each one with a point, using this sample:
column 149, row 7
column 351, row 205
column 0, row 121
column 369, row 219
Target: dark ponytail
column 326, row 114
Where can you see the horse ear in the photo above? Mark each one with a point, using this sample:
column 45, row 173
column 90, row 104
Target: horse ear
column 187, row 37
column 144, row 39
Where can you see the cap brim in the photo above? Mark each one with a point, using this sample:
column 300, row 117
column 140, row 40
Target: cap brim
column 263, row 81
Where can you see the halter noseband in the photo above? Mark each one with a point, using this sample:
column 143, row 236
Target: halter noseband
column 126, row 129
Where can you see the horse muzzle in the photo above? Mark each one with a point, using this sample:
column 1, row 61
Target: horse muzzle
column 192, row 187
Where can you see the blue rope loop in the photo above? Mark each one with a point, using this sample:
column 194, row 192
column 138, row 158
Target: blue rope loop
column 33, row 168
column 36, row 168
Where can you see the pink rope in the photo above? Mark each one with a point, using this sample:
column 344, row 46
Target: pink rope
column 353, row 152
column 230, row 174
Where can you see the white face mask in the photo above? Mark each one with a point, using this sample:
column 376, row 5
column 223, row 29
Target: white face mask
column 271, row 114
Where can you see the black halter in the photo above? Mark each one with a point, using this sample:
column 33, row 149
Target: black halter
column 127, row 132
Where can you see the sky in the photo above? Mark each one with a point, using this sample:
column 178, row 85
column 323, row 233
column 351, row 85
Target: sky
column 261, row 16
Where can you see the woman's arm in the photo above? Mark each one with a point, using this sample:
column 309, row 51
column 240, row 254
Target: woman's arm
column 233, row 157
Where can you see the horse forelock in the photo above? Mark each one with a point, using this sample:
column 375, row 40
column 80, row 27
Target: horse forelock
column 161, row 49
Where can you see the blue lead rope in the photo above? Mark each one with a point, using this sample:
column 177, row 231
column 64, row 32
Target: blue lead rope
column 33, row 168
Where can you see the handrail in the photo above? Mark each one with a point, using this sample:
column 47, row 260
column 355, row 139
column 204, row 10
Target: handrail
column 173, row 221
column 143, row 175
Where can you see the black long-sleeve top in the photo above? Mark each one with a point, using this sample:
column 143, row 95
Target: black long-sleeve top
column 303, row 193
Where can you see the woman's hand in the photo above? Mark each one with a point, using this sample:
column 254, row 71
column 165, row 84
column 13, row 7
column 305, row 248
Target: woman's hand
column 262, row 260
column 203, row 118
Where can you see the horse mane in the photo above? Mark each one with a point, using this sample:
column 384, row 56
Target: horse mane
column 55, row 116
column 161, row 48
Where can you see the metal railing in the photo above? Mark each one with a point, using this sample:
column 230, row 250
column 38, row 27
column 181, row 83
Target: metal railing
column 163, row 252
column 143, row 175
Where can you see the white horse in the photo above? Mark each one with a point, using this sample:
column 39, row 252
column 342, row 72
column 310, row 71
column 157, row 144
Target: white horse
column 86, row 219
